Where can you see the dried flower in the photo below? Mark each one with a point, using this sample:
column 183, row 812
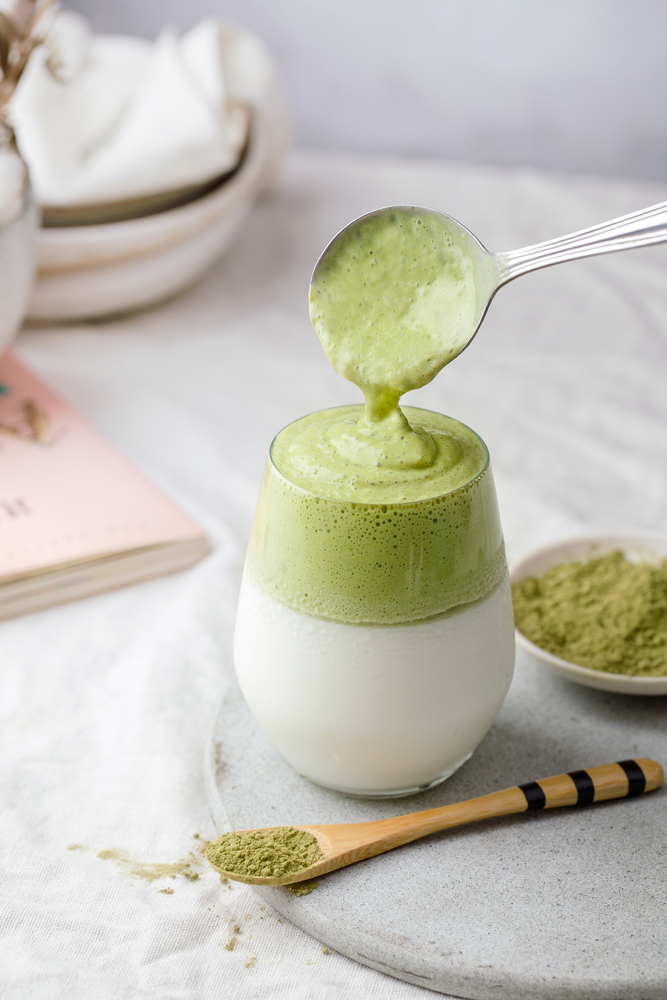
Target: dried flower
column 18, row 37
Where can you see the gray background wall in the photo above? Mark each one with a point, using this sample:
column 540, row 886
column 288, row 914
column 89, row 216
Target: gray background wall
column 573, row 85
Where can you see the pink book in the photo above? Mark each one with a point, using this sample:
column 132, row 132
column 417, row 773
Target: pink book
column 76, row 517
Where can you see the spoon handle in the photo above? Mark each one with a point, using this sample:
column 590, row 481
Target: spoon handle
column 639, row 229
column 577, row 788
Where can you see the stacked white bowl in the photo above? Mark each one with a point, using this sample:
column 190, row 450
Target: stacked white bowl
column 98, row 269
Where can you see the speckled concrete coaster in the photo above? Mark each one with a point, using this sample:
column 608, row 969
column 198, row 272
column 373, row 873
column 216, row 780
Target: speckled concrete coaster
column 565, row 905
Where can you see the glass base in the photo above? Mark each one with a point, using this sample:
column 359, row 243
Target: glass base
column 400, row 793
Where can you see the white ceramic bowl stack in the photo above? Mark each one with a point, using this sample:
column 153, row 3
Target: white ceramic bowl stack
column 91, row 271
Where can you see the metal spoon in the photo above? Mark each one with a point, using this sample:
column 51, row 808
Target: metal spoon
column 342, row 844
column 493, row 270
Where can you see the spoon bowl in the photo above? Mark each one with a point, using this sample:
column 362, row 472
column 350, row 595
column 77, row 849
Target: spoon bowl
column 490, row 271
column 343, row 844
column 417, row 270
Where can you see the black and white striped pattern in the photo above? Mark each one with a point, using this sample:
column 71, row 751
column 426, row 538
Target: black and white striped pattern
column 536, row 799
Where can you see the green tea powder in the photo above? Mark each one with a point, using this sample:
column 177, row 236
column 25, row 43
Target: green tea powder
column 269, row 853
column 607, row 614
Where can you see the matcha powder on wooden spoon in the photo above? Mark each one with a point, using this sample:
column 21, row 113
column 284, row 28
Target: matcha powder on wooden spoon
column 268, row 853
column 607, row 614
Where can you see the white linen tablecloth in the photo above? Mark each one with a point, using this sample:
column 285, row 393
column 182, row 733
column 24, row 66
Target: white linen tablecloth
column 106, row 705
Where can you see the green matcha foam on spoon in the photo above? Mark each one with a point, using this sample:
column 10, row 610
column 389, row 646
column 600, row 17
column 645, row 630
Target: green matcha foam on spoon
column 395, row 297
column 400, row 292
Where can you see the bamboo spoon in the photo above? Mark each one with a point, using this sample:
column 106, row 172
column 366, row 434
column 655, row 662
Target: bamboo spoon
column 344, row 843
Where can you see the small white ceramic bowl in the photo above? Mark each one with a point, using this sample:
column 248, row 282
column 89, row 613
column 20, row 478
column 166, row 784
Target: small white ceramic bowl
column 638, row 547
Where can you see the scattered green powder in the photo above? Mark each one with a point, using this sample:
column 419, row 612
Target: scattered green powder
column 150, row 871
column 266, row 853
column 231, row 944
column 607, row 614
column 303, row 888
column 167, row 892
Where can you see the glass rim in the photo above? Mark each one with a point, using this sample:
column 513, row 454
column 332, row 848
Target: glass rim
column 484, row 468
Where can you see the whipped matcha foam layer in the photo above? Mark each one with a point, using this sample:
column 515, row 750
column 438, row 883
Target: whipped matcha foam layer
column 368, row 544
column 308, row 453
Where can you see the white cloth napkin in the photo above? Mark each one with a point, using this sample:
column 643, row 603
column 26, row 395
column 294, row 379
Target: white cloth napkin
column 106, row 118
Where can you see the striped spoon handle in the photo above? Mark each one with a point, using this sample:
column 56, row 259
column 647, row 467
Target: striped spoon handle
column 577, row 788
column 596, row 784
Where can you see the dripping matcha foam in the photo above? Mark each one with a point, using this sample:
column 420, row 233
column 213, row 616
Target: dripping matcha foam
column 374, row 638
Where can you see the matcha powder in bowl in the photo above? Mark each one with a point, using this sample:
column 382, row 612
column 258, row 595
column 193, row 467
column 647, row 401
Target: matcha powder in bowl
column 597, row 612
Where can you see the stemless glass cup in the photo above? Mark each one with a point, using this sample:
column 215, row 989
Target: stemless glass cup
column 374, row 643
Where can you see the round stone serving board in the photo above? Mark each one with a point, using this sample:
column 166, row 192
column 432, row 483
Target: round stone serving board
column 569, row 904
